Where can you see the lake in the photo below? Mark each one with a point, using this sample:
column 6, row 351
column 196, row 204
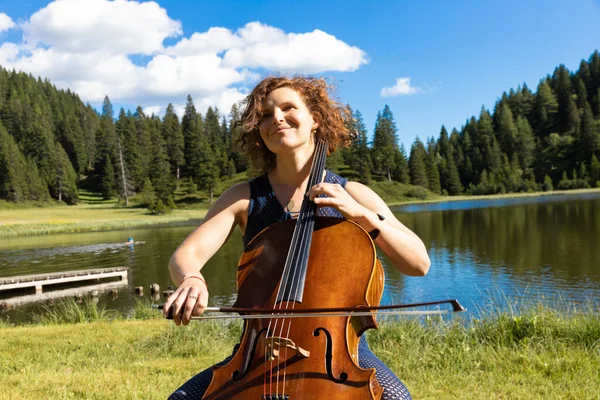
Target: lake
column 485, row 253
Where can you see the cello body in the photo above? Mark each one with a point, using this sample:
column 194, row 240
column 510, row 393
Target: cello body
column 314, row 357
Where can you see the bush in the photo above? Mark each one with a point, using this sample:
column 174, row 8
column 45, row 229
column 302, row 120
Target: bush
column 548, row 186
column 417, row 192
column 159, row 208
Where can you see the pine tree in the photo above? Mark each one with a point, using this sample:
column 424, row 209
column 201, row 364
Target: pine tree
column 433, row 174
column 229, row 164
column 105, row 153
column 491, row 153
column 443, row 142
column 107, row 180
column 521, row 102
column 192, row 127
column 584, row 74
column 173, row 135
column 596, row 104
column 141, row 148
column 567, row 115
column 524, row 143
column 160, row 174
column 218, row 154
column 416, row 162
column 360, row 157
column 384, row 143
column 208, row 172
column 506, row 131
column 65, row 181
column 401, row 171
column 589, row 143
column 545, row 108
column 451, row 178
column 12, row 169
column 580, row 93
column 594, row 63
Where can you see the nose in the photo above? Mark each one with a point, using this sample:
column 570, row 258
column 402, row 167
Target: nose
column 277, row 115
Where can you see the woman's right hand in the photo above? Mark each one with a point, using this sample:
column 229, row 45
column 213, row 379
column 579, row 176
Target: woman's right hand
column 190, row 299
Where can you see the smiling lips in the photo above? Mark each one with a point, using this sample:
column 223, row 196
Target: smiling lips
column 282, row 128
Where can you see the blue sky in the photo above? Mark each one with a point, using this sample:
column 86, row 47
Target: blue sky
column 451, row 57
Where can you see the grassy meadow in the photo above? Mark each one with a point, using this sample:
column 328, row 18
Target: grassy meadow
column 80, row 352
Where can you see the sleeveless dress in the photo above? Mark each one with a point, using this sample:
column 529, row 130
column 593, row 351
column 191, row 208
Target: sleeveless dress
column 265, row 210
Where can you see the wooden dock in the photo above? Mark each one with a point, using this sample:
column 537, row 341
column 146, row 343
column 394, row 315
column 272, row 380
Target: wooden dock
column 44, row 286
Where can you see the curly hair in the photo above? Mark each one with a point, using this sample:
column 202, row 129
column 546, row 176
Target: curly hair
column 317, row 95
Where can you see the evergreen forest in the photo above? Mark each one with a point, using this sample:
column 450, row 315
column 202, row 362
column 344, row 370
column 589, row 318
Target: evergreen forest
column 52, row 145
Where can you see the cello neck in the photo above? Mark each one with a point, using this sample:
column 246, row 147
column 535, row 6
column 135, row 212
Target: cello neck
column 294, row 273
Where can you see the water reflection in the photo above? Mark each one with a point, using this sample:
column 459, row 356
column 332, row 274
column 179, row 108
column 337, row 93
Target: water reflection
column 533, row 248
column 521, row 248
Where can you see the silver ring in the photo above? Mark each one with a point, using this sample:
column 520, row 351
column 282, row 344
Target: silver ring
column 192, row 296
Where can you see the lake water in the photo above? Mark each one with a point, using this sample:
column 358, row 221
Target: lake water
column 485, row 252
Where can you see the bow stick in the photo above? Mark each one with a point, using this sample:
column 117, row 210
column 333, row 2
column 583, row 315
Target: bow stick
column 266, row 313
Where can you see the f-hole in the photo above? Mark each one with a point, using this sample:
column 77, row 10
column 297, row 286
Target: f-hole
column 329, row 357
column 237, row 375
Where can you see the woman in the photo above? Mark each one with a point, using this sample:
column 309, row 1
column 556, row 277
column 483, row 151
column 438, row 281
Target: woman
column 282, row 119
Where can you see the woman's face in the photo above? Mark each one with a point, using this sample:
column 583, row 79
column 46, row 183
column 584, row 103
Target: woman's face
column 287, row 122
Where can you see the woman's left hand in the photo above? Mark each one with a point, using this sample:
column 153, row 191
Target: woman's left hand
column 338, row 198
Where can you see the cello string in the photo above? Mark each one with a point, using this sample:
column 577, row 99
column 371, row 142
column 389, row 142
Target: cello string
column 304, row 225
column 289, row 267
column 306, row 221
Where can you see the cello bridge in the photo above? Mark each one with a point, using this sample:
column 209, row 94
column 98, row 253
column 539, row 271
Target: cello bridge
column 273, row 346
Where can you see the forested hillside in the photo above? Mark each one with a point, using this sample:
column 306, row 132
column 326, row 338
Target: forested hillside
column 52, row 144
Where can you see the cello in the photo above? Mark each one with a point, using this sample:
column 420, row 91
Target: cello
column 304, row 263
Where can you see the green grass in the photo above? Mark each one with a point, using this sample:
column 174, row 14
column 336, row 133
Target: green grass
column 539, row 353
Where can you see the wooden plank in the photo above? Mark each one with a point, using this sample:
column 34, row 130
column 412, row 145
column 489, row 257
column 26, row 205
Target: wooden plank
column 7, row 304
column 40, row 280
column 27, row 278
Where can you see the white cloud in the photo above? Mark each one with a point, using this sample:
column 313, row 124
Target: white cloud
column 316, row 51
column 401, row 88
column 6, row 22
column 156, row 110
column 215, row 40
column 116, row 48
column 118, row 26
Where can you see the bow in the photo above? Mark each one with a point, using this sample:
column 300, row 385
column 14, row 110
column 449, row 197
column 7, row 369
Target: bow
column 267, row 313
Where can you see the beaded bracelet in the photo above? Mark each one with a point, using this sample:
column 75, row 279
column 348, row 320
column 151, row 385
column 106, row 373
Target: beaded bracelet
column 197, row 277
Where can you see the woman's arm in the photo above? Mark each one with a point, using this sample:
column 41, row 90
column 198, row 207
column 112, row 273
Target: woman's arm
column 361, row 204
column 191, row 296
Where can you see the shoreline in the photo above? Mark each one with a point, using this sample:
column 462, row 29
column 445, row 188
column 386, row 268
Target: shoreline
column 40, row 221
column 497, row 196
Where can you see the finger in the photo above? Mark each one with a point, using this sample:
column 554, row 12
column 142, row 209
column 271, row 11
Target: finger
column 169, row 303
column 201, row 304
column 178, row 305
column 190, row 306
column 318, row 189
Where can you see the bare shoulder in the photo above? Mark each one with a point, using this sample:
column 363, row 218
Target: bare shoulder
column 238, row 192
column 236, row 198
